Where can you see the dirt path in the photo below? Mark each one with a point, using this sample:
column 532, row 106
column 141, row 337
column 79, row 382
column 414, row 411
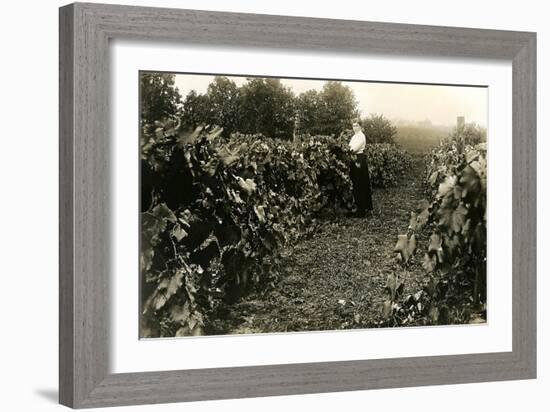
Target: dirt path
column 335, row 279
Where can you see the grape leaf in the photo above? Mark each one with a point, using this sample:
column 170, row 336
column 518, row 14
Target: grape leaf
column 459, row 218
column 394, row 286
column 248, row 185
column 164, row 291
column 180, row 313
column 402, row 248
column 179, row 233
column 446, row 186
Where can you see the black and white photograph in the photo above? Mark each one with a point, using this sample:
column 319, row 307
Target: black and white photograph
column 278, row 205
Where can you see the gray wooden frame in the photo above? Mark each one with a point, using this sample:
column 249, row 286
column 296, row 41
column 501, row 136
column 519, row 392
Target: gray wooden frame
column 85, row 31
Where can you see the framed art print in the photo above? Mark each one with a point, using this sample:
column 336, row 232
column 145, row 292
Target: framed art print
column 257, row 205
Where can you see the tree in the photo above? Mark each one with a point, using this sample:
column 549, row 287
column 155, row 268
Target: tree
column 196, row 109
column 223, row 98
column 337, row 108
column 378, row 129
column 266, row 107
column 218, row 106
column 330, row 111
column 160, row 98
column 308, row 105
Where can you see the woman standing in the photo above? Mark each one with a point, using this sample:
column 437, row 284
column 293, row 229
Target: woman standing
column 359, row 173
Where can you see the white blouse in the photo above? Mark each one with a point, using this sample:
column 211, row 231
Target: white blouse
column 358, row 142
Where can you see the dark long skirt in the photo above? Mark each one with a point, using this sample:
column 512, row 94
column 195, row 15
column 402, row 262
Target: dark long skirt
column 360, row 178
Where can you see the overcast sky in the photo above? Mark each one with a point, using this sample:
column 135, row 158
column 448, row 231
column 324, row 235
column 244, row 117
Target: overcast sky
column 413, row 102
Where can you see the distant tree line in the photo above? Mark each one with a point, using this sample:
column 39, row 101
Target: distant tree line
column 261, row 105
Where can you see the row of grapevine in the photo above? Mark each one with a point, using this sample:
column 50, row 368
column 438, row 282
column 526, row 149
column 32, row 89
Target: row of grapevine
column 216, row 214
column 454, row 223
column 387, row 163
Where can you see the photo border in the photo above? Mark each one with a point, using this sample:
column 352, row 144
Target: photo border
column 85, row 32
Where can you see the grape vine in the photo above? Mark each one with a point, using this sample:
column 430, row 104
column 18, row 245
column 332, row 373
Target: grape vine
column 217, row 212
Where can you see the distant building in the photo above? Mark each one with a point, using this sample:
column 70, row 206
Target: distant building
column 425, row 123
column 460, row 122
